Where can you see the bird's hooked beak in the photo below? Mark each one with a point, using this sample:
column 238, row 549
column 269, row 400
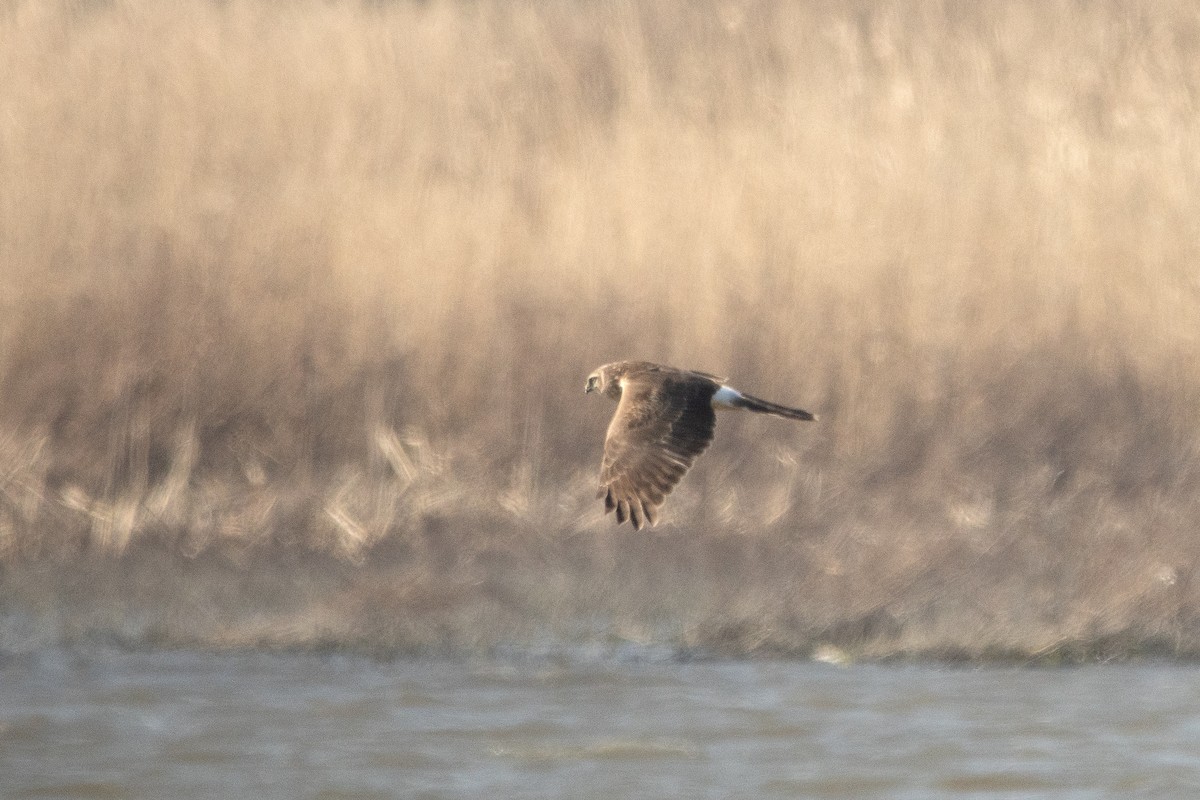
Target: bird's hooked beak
column 590, row 386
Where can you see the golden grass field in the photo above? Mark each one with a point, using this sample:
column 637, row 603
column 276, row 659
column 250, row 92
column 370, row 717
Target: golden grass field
column 297, row 301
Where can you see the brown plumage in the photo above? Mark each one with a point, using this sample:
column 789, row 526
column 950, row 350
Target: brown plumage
column 665, row 419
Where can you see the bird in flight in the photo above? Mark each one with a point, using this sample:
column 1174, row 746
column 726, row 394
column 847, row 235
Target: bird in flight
column 665, row 419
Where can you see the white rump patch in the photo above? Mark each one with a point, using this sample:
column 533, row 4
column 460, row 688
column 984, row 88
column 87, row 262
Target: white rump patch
column 725, row 396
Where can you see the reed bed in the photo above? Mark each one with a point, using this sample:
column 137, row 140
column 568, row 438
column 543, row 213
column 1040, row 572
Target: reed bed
column 297, row 301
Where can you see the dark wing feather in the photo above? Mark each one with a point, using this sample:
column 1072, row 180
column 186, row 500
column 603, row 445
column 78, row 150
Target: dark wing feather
column 663, row 422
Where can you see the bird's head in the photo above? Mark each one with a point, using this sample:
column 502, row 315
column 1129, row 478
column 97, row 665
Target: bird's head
column 605, row 381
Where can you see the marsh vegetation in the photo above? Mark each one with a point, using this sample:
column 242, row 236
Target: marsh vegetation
column 297, row 300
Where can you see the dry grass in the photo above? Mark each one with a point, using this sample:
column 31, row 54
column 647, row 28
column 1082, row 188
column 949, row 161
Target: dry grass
column 309, row 290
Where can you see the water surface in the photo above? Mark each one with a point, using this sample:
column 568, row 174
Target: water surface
column 103, row 723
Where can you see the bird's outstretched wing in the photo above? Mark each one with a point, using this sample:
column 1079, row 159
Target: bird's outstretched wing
column 662, row 423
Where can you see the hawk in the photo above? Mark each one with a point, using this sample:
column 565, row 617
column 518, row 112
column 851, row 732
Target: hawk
column 665, row 419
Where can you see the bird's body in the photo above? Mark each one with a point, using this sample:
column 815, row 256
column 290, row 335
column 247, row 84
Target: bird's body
column 665, row 419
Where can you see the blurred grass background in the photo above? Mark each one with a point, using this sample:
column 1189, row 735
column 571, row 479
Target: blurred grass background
column 297, row 301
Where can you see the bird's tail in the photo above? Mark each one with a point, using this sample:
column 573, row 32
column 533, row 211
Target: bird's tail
column 751, row 403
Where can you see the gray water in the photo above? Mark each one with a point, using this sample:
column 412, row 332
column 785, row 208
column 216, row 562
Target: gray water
column 108, row 724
